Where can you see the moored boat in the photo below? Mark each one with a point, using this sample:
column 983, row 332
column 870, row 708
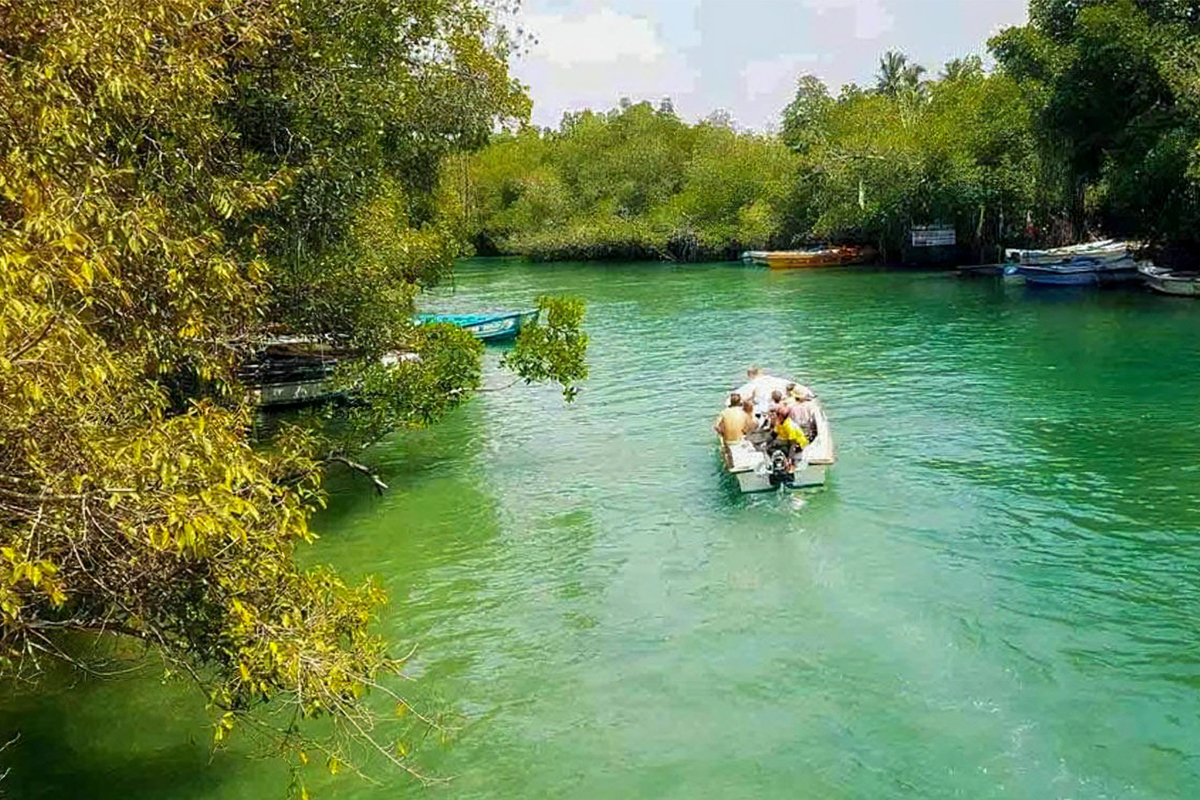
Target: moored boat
column 1168, row 281
column 496, row 326
column 298, row 370
column 1103, row 251
column 799, row 259
column 758, row 468
column 1077, row 271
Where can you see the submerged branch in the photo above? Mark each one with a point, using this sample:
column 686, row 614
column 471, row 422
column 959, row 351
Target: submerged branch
column 380, row 486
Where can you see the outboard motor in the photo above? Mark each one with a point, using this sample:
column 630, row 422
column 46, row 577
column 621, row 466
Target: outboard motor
column 779, row 470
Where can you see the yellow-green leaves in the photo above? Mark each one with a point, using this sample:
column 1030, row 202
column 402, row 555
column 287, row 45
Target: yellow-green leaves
column 180, row 179
column 555, row 348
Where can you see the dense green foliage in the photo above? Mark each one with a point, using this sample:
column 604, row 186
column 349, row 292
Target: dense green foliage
column 873, row 164
column 1117, row 84
column 1088, row 125
column 862, row 167
column 556, row 350
column 631, row 183
column 178, row 180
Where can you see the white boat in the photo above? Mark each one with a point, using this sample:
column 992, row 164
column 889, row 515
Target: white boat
column 757, row 469
column 1104, row 251
column 1167, row 281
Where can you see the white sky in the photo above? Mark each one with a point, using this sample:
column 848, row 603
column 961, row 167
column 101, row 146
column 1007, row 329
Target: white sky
column 741, row 55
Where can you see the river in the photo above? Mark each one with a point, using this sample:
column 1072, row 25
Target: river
column 995, row 596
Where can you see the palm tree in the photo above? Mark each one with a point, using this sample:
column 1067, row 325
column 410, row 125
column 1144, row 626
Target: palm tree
column 901, row 79
column 912, row 77
column 957, row 69
column 893, row 66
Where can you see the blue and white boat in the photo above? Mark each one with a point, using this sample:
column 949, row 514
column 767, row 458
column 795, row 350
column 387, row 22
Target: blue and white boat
column 1088, row 264
column 490, row 327
column 1078, row 271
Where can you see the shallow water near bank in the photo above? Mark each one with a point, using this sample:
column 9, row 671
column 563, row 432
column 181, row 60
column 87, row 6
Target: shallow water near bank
column 996, row 595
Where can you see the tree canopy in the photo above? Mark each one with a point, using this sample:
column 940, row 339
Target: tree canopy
column 178, row 180
column 1116, row 81
column 630, row 183
column 862, row 167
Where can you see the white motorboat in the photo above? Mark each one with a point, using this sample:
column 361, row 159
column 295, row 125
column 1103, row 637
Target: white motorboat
column 1168, row 281
column 758, row 467
column 1100, row 252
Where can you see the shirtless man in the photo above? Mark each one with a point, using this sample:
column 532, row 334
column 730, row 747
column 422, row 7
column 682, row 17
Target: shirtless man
column 734, row 423
column 752, row 423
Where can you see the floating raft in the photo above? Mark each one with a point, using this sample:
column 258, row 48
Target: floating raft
column 982, row 270
column 490, row 327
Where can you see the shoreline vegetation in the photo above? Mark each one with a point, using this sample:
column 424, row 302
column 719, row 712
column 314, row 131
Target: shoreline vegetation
column 181, row 180
column 1087, row 127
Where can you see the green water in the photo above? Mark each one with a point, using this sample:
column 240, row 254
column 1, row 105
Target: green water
column 996, row 596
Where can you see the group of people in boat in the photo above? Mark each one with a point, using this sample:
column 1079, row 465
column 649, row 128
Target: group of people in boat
column 767, row 403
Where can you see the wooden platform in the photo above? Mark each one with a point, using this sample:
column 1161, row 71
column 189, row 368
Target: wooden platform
column 982, row 270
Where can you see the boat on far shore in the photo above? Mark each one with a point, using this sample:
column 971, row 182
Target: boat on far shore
column 1077, row 272
column 489, row 327
column 1169, row 281
column 1102, row 251
column 815, row 257
column 1090, row 264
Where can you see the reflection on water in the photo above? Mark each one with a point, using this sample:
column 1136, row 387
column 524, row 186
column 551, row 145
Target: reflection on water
column 995, row 596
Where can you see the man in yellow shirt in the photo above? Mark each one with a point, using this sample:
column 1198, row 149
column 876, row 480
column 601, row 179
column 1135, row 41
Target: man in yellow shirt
column 788, row 434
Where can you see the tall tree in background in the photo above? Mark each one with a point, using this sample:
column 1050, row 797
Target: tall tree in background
column 958, row 69
column 897, row 75
column 1116, row 80
column 873, row 164
column 805, row 117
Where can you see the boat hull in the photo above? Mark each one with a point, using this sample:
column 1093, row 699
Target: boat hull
column 842, row 257
column 487, row 327
column 1075, row 275
column 1175, row 288
column 757, row 482
column 1177, row 284
column 808, row 259
column 1108, row 250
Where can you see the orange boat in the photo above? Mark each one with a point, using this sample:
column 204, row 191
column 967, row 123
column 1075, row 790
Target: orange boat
column 801, row 259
